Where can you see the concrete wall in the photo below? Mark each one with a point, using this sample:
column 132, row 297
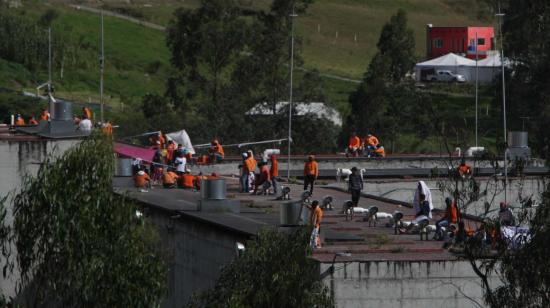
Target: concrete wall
column 17, row 159
column 196, row 253
column 228, row 168
column 403, row 190
column 402, row 284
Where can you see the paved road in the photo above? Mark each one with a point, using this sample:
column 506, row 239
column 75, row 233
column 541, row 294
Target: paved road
column 121, row 16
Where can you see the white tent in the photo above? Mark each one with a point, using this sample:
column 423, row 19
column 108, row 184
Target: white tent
column 321, row 110
column 181, row 137
column 450, row 62
column 488, row 68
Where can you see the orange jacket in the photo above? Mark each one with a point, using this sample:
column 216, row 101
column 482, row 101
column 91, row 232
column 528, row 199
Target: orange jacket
column 187, row 181
column 274, row 168
column 464, row 169
column 380, row 151
column 141, row 180
column 20, row 122
column 311, row 168
column 250, row 164
column 44, row 116
column 371, row 141
column 452, row 215
column 354, row 142
column 87, row 113
column 316, row 217
column 107, row 129
column 217, row 149
column 169, row 178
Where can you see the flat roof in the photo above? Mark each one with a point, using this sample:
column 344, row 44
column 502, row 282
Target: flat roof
column 257, row 212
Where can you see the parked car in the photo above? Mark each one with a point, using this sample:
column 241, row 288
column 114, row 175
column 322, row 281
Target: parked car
column 447, row 76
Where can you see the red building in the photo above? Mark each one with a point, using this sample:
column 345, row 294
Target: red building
column 459, row 40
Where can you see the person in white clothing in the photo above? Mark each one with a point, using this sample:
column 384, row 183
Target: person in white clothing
column 85, row 125
column 180, row 163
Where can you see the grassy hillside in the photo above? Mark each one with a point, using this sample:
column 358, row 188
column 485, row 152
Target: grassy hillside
column 330, row 28
column 136, row 58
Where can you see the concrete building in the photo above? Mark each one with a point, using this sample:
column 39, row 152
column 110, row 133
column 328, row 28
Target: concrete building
column 459, row 40
column 21, row 155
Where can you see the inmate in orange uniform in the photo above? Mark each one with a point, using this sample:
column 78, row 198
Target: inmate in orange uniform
column 142, row 179
column 45, row 116
column 87, row 113
column 315, row 220
column 354, row 146
column 311, row 172
column 20, row 121
column 371, row 141
column 169, row 179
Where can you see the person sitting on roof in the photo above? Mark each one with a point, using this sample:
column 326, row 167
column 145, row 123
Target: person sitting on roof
column 19, row 121
column 505, row 215
column 186, row 180
column 32, row 121
column 264, row 176
column 450, row 217
column 423, row 214
column 379, row 151
column 370, row 143
column 169, row 179
column 216, row 153
column 45, row 115
column 142, row 181
column 354, row 146
column 464, row 170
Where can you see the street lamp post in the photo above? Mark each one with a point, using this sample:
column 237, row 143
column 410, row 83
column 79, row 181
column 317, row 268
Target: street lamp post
column 101, row 67
column 292, row 16
column 500, row 16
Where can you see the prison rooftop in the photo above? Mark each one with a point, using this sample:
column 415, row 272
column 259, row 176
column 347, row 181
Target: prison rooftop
column 364, row 243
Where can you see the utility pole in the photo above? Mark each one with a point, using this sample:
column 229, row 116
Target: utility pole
column 477, row 77
column 292, row 16
column 500, row 17
column 101, row 68
column 52, row 111
column 49, row 60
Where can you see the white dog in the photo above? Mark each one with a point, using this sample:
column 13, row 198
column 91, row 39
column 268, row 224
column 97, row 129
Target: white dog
column 345, row 173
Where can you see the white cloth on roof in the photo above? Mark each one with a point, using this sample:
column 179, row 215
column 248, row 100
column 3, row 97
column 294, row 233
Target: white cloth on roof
column 85, row 125
column 426, row 191
column 181, row 137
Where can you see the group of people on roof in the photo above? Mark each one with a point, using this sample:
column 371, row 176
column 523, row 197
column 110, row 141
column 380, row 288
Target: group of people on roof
column 82, row 123
column 452, row 228
column 370, row 146
column 266, row 178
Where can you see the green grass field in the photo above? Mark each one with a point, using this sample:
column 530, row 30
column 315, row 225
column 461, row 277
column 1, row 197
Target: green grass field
column 130, row 50
column 339, row 37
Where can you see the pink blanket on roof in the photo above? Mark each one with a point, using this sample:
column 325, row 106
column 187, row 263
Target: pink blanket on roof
column 134, row 151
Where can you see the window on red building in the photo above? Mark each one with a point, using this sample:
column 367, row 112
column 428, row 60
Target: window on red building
column 438, row 43
column 480, row 41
